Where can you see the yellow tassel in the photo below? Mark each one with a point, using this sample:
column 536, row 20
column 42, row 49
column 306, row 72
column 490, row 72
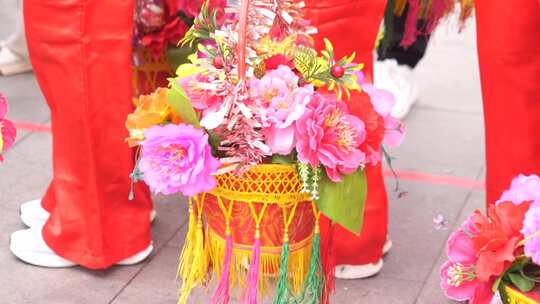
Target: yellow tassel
column 270, row 263
column 186, row 257
column 195, row 273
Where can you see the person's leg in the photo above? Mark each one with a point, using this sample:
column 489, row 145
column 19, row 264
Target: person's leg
column 14, row 51
column 509, row 56
column 17, row 41
column 394, row 69
column 81, row 51
column 352, row 26
column 390, row 47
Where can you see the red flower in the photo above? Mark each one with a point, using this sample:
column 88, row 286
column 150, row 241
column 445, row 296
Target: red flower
column 171, row 33
column 497, row 238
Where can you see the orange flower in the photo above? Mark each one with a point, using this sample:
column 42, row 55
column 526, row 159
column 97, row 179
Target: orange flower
column 151, row 110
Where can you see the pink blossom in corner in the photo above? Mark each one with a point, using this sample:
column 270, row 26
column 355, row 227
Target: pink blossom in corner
column 459, row 280
column 327, row 134
column 523, row 189
column 7, row 129
column 531, row 227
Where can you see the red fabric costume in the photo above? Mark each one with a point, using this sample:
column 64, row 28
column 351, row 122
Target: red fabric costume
column 352, row 26
column 81, row 53
column 509, row 54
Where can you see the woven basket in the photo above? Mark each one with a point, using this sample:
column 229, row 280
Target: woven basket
column 265, row 206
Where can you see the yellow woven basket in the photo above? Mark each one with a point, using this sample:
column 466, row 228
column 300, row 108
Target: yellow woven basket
column 264, row 206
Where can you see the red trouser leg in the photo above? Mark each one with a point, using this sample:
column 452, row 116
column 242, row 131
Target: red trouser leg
column 352, row 26
column 509, row 55
column 81, row 53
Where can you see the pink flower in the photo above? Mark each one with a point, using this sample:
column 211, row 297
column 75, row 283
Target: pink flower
column 7, row 129
column 201, row 99
column 531, row 228
column 327, row 134
column 459, row 280
column 383, row 101
column 523, row 189
column 283, row 102
column 178, row 158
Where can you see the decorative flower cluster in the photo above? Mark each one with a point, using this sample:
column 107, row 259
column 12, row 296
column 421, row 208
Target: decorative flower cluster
column 285, row 102
column 160, row 23
column 7, row 129
column 502, row 247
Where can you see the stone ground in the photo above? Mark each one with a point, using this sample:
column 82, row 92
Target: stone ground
column 445, row 139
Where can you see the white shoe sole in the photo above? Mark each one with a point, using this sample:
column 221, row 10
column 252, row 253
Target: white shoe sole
column 356, row 272
column 16, row 68
column 38, row 258
column 387, row 247
column 137, row 258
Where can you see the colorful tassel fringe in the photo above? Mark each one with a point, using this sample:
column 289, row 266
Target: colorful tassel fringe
column 221, row 295
column 314, row 283
column 194, row 273
column 252, row 280
column 282, row 289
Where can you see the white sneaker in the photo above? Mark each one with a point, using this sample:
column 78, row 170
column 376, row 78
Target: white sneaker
column 34, row 215
column 354, row 272
column 387, row 246
column 399, row 80
column 28, row 245
column 11, row 63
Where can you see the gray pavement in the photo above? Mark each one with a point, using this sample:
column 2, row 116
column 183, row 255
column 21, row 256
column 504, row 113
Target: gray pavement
column 445, row 137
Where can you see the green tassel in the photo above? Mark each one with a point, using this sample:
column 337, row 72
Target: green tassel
column 314, row 282
column 283, row 294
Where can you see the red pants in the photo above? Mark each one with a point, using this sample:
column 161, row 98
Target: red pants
column 352, row 26
column 509, row 54
column 81, row 53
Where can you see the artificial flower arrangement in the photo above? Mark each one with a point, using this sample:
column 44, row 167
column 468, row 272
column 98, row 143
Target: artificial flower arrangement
column 263, row 133
column 488, row 254
column 7, row 129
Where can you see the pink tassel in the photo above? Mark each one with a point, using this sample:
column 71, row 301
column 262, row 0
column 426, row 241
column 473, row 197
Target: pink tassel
column 221, row 295
column 411, row 23
column 252, row 280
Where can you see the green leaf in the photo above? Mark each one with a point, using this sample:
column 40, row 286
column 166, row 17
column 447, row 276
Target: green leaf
column 282, row 159
column 182, row 105
column 344, row 202
column 497, row 284
column 177, row 56
column 523, row 284
column 502, row 293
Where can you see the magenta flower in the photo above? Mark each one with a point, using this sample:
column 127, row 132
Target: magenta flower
column 459, row 280
column 523, row 189
column 7, row 129
column 283, row 102
column 327, row 134
column 178, row 158
column 531, row 230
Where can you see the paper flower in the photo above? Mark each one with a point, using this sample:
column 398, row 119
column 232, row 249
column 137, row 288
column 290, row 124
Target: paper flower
column 531, row 230
column 151, row 110
column 383, row 101
column 327, row 134
column 497, row 238
column 7, row 129
column 178, row 158
column 459, row 279
column 523, row 189
column 283, row 102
